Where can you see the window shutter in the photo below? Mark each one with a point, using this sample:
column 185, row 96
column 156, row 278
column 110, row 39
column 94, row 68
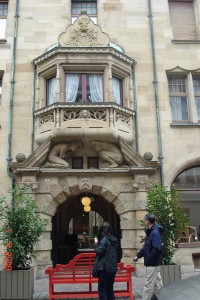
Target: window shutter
column 183, row 20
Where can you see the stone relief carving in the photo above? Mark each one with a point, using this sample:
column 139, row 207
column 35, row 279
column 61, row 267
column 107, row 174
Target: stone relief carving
column 123, row 118
column 99, row 114
column 28, row 185
column 83, row 33
column 141, row 184
column 109, row 153
column 85, row 183
column 59, row 153
column 46, row 118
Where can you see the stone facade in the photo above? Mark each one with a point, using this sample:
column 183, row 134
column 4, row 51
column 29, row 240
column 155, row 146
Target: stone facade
column 47, row 44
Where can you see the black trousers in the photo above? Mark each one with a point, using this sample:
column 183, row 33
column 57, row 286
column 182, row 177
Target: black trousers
column 105, row 285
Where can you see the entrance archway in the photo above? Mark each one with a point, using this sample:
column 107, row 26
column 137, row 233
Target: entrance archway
column 73, row 229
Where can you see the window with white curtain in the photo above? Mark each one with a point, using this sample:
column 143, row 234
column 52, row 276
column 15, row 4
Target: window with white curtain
column 84, row 87
column 0, row 89
column 196, row 85
column 117, row 90
column 178, row 97
column 51, row 90
column 3, row 18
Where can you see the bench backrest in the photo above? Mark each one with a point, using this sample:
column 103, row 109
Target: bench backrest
column 81, row 267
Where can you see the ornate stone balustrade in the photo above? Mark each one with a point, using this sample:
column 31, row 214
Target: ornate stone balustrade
column 84, row 119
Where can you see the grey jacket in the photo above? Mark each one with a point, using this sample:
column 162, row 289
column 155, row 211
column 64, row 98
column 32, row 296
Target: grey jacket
column 106, row 250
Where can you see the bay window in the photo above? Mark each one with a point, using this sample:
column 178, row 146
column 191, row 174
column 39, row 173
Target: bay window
column 84, row 88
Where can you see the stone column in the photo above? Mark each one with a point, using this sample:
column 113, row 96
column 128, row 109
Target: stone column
column 58, row 83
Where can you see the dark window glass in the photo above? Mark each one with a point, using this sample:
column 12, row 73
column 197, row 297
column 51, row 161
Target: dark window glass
column 189, row 179
column 93, row 163
column 77, row 163
column 3, row 9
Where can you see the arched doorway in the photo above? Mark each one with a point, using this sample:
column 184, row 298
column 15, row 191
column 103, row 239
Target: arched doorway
column 73, row 229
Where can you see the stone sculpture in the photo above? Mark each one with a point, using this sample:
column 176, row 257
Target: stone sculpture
column 109, row 153
column 59, row 153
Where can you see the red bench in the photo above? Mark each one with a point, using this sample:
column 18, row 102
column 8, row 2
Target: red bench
column 78, row 271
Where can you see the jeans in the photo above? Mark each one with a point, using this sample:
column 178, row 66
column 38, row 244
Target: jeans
column 105, row 285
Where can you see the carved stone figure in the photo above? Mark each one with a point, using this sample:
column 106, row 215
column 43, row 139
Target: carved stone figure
column 59, row 153
column 109, row 153
column 83, row 32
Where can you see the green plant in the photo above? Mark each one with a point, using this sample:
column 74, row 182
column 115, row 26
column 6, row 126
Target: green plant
column 22, row 227
column 164, row 205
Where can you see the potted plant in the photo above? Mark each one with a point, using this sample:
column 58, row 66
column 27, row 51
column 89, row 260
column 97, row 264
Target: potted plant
column 21, row 228
column 164, row 205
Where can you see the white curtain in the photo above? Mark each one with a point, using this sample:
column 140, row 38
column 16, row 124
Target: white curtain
column 116, row 85
column 72, row 82
column 179, row 108
column 197, row 100
column 51, row 90
column 96, row 88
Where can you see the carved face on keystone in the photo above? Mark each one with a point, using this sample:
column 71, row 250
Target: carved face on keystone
column 83, row 23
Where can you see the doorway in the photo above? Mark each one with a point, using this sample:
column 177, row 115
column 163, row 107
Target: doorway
column 73, row 229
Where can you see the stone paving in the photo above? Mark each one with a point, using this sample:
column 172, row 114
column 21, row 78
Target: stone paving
column 41, row 288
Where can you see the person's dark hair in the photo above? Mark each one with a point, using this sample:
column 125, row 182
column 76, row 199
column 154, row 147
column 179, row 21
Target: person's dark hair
column 151, row 218
column 104, row 229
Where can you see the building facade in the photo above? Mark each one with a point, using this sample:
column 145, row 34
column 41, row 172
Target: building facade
column 100, row 99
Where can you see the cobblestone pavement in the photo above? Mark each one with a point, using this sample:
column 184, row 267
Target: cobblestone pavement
column 41, row 288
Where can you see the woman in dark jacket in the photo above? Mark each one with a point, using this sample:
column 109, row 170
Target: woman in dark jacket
column 106, row 249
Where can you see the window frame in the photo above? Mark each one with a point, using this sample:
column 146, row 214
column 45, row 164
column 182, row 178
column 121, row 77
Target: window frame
column 84, row 79
column 3, row 18
column 47, row 90
column 190, row 95
column 196, row 94
column 80, row 160
column 74, row 16
column 180, row 95
column 175, row 32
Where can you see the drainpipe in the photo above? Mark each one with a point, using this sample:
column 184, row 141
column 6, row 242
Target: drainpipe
column 135, row 107
column 10, row 120
column 155, row 82
column 33, row 107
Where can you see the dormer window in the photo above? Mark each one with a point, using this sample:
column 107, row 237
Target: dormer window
column 84, row 87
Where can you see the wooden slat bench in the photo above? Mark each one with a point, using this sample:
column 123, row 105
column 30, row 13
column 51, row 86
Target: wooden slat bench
column 78, row 271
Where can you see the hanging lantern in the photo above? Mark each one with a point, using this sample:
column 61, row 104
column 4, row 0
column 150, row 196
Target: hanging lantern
column 87, row 208
column 86, row 201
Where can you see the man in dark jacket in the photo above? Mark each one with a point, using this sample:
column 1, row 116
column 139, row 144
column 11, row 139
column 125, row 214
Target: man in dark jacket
column 152, row 253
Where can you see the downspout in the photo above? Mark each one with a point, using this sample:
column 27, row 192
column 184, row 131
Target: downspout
column 33, row 108
column 10, row 118
column 135, row 107
column 155, row 82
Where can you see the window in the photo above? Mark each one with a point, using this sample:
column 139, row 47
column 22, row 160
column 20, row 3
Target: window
column 3, row 17
column 51, row 90
column 77, row 163
column 196, row 85
column 93, row 163
column 117, row 90
column 183, row 20
column 0, row 90
column 84, row 88
column 89, row 6
column 178, row 97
